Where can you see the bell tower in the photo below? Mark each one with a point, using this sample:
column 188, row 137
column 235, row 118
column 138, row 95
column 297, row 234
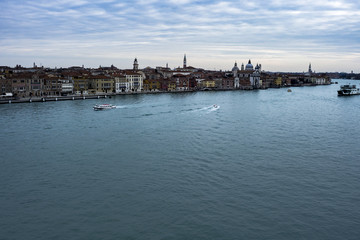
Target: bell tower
column 136, row 65
column 184, row 65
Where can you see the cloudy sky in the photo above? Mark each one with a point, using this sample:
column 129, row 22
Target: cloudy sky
column 282, row 35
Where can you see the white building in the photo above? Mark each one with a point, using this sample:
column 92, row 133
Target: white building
column 120, row 83
column 133, row 82
column 235, row 71
column 67, row 86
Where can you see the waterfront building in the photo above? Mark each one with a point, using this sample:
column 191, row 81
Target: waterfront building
column 171, row 85
column 81, row 84
column 152, row 80
column 134, row 81
column 36, row 85
column 228, row 82
column 6, row 85
column 208, row 84
column 181, row 81
column 278, row 81
column 101, row 84
column 67, row 86
column 20, row 84
column 38, row 81
column 120, row 83
column 164, row 84
column 154, row 85
column 235, row 71
column 255, row 79
column 52, row 85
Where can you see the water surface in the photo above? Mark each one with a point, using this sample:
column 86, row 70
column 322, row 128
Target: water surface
column 267, row 164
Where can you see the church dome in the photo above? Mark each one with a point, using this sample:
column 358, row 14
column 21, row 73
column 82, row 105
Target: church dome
column 249, row 66
column 235, row 68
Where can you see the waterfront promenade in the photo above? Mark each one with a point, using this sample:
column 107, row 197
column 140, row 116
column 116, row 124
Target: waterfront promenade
column 79, row 97
column 109, row 95
column 54, row 98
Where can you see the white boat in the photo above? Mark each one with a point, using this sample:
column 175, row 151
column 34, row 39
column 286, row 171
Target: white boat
column 215, row 106
column 348, row 90
column 103, row 106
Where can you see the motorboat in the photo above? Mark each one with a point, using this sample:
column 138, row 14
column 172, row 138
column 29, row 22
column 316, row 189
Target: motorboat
column 215, row 106
column 103, row 106
column 348, row 90
column 289, row 90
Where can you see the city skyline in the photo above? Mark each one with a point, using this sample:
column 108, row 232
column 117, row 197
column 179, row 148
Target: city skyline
column 280, row 35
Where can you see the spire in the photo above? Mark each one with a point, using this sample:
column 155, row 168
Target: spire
column 184, row 61
column 310, row 71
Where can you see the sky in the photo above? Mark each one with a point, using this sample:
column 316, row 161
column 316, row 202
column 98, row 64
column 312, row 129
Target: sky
column 281, row 35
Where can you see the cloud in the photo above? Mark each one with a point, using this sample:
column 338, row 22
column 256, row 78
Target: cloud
column 272, row 29
column 179, row 2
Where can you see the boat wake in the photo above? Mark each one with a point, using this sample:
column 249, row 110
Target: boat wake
column 207, row 109
column 214, row 108
column 120, row 107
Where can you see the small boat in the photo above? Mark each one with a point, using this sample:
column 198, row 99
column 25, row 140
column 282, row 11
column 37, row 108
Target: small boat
column 348, row 90
column 103, row 106
column 215, row 106
column 289, row 90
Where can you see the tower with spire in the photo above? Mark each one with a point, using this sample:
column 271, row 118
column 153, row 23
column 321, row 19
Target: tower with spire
column 310, row 71
column 136, row 65
column 184, row 65
column 235, row 71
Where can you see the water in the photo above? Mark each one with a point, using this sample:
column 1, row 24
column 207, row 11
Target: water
column 264, row 165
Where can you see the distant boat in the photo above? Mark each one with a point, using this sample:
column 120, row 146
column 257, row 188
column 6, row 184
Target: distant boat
column 215, row 106
column 348, row 90
column 103, row 106
column 289, row 90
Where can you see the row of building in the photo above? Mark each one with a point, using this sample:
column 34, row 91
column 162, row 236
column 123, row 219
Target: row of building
column 39, row 81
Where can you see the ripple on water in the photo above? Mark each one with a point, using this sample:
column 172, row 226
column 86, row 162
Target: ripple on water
column 267, row 164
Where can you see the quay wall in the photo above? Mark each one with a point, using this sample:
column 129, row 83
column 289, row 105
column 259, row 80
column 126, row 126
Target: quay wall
column 54, row 98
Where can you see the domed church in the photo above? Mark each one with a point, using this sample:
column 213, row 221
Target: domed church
column 249, row 66
column 247, row 78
